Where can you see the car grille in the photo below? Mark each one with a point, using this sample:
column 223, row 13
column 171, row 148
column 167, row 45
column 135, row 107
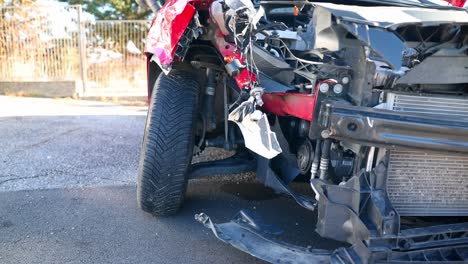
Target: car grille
column 426, row 183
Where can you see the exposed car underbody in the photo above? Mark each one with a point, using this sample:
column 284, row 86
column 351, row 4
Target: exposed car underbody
column 369, row 99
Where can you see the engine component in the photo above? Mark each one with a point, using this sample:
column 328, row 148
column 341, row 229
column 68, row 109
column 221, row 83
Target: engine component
column 324, row 87
column 303, row 128
column 428, row 183
column 234, row 67
column 338, row 88
column 342, row 163
column 305, row 156
column 386, row 78
column 331, row 87
column 410, row 56
column 294, row 39
column 345, row 79
column 271, row 65
column 257, row 93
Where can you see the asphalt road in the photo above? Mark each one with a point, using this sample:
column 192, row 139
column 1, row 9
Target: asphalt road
column 49, row 143
column 67, row 193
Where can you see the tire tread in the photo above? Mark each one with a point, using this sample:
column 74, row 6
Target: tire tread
column 167, row 147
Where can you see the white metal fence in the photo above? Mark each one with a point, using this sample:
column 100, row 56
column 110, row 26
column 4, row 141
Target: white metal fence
column 63, row 43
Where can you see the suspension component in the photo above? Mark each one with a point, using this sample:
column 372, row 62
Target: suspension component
column 208, row 106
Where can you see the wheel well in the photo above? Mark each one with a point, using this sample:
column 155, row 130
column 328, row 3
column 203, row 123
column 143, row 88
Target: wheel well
column 203, row 51
column 198, row 51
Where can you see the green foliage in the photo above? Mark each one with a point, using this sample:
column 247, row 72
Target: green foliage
column 112, row 9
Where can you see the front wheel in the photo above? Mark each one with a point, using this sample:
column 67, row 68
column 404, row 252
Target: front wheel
column 167, row 148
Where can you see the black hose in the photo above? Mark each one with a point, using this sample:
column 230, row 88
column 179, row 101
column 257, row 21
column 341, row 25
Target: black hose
column 315, row 163
column 325, row 159
column 243, row 96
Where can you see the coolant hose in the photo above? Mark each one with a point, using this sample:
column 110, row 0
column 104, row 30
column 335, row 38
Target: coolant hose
column 325, row 159
column 315, row 162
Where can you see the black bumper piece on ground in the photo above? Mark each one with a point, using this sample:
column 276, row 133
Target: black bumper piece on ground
column 248, row 233
column 378, row 127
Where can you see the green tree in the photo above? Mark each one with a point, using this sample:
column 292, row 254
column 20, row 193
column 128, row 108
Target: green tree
column 112, row 9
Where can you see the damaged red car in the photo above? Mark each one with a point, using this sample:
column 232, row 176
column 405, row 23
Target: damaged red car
column 366, row 99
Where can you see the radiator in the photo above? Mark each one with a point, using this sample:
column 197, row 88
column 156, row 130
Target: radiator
column 426, row 183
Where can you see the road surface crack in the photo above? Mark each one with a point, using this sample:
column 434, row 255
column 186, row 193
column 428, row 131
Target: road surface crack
column 46, row 140
column 18, row 179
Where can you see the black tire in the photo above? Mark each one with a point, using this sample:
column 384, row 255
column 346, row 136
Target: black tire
column 167, row 149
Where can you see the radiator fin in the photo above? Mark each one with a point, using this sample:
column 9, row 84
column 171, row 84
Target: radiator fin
column 426, row 183
column 443, row 107
column 422, row 183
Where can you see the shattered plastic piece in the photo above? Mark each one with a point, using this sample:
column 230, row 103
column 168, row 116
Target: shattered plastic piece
column 256, row 130
column 256, row 115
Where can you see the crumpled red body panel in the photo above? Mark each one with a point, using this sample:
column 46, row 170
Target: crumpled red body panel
column 458, row 3
column 290, row 104
column 167, row 28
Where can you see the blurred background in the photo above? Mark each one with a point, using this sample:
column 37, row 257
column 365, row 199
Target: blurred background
column 73, row 48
